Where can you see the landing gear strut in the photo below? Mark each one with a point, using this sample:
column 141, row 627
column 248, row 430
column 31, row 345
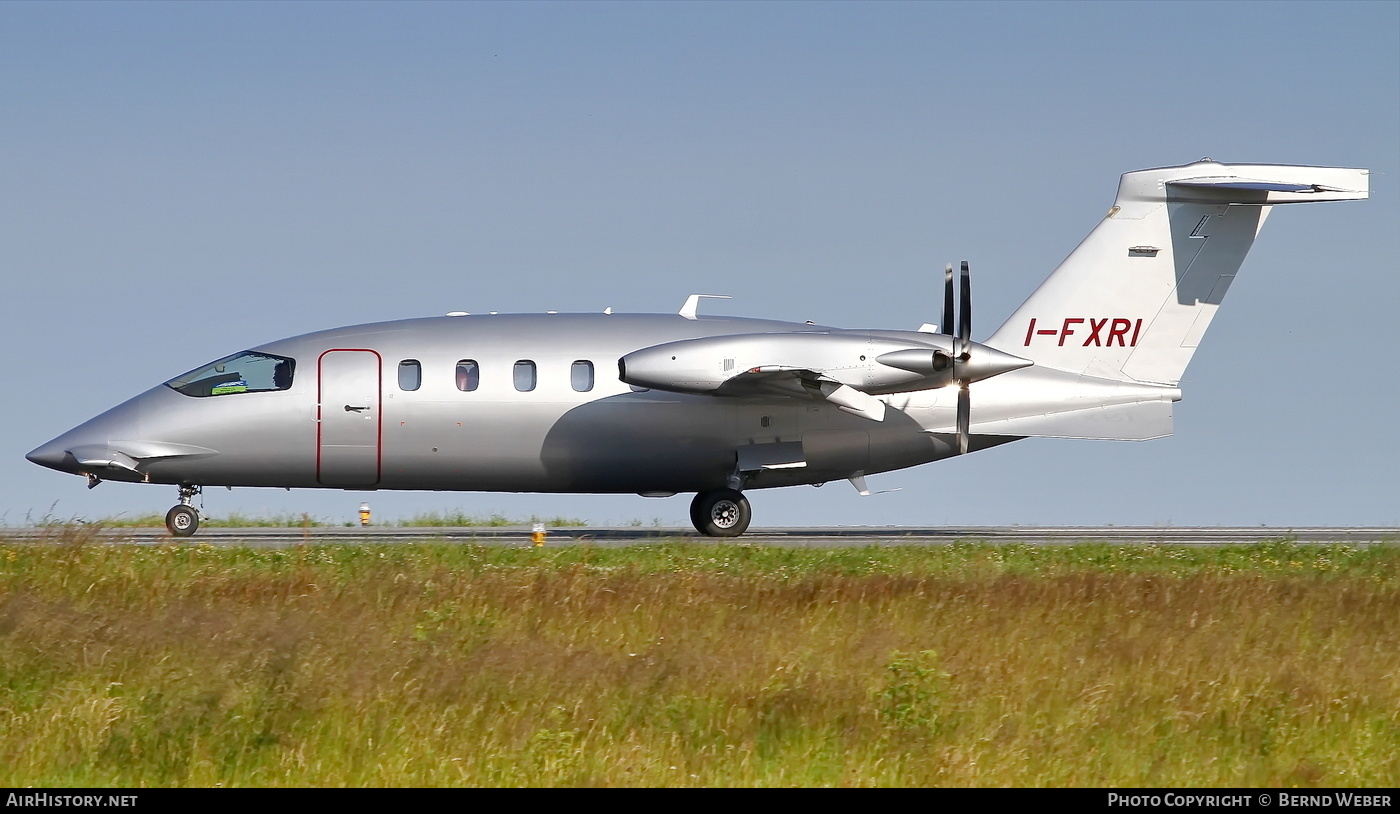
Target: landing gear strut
column 183, row 520
column 721, row 513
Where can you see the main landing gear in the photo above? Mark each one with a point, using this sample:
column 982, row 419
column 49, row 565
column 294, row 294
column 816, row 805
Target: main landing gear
column 183, row 520
column 721, row 513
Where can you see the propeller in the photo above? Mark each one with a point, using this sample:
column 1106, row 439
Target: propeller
column 962, row 347
column 964, row 362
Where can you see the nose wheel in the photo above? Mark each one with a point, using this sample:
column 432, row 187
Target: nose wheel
column 721, row 513
column 183, row 519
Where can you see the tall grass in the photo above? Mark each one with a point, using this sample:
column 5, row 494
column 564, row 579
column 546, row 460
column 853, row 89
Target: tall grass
column 704, row 665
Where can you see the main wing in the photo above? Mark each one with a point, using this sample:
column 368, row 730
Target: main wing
column 794, row 382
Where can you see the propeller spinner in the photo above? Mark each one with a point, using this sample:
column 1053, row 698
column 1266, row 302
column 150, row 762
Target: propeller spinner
column 964, row 362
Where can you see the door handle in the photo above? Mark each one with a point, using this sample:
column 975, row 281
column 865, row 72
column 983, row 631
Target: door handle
column 350, row 409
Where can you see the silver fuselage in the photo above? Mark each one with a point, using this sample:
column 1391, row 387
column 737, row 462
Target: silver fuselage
column 345, row 421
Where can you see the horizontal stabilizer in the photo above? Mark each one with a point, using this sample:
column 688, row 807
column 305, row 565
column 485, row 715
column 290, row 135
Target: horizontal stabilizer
column 1287, row 185
column 1257, row 186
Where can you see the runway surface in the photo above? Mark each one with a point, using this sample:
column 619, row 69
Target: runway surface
column 831, row 537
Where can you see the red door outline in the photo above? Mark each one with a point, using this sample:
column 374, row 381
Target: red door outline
column 378, row 431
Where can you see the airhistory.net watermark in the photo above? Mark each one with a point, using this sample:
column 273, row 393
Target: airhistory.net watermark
column 39, row 799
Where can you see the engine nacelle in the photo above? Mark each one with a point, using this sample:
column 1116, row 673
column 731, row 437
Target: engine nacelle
column 851, row 358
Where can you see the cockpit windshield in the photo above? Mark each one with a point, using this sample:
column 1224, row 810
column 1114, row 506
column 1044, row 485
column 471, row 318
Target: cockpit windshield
column 245, row 372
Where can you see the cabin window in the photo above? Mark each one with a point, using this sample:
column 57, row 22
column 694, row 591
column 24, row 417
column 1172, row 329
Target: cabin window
column 468, row 375
column 581, row 376
column 245, row 372
column 525, row 375
column 410, row 374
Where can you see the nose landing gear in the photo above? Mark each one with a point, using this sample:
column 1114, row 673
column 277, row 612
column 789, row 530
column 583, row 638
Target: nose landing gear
column 183, row 520
column 721, row 513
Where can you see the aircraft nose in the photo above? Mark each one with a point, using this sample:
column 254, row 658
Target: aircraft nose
column 53, row 455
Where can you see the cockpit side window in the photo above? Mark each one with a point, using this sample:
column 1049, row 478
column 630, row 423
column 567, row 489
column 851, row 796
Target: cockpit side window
column 245, row 372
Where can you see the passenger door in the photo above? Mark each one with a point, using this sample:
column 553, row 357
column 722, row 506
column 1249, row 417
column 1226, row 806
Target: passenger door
column 348, row 425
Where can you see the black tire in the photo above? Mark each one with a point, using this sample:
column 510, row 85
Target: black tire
column 182, row 521
column 721, row 513
column 696, row 518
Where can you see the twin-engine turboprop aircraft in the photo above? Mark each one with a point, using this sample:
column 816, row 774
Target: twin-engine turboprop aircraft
column 712, row 405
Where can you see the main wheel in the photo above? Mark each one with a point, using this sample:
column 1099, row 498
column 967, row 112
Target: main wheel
column 721, row 513
column 182, row 521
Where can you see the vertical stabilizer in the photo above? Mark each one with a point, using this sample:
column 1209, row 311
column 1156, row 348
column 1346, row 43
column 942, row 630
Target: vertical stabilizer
column 1133, row 300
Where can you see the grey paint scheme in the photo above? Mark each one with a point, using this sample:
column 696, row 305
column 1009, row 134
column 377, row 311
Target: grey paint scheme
column 552, row 439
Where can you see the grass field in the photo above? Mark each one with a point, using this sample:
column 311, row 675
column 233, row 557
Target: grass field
column 699, row 665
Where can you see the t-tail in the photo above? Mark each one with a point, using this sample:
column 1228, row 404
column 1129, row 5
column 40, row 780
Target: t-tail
column 1133, row 300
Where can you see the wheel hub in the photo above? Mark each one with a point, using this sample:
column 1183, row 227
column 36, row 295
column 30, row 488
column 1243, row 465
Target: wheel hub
column 725, row 514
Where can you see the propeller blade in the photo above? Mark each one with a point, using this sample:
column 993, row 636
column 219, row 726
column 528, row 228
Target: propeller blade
column 965, row 320
column 964, row 418
column 948, row 300
column 963, row 375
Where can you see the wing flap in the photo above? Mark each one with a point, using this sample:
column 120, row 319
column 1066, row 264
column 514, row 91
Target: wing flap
column 793, row 382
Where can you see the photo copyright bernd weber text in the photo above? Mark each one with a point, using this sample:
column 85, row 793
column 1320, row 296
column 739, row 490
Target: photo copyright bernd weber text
column 1262, row 799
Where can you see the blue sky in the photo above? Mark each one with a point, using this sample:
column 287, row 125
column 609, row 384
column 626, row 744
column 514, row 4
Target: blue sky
column 182, row 181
